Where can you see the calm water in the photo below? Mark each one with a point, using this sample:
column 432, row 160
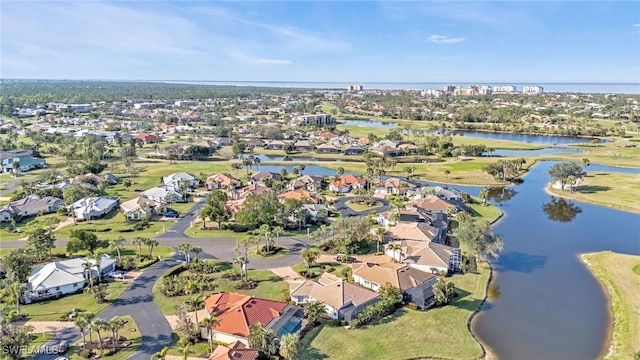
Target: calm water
column 370, row 123
column 264, row 157
column 550, row 306
column 545, row 151
column 308, row 170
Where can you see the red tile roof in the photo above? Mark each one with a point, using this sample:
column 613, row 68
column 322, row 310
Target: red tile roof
column 237, row 312
column 234, row 351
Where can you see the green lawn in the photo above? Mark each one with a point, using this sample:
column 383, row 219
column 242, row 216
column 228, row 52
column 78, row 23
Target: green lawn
column 37, row 340
column 115, row 225
column 269, row 286
column 200, row 349
column 127, row 250
column 24, row 225
column 52, row 310
column 361, row 207
column 440, row 333
column 130, row 331
column 616, row 273
column 211, row 232
column 489, row 213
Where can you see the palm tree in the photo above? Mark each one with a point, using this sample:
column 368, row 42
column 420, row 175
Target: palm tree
column 81, row 323
column 196, row 250
column 115, row 324
column 340, row 171
column 98, row 325
column 160, row 355
column 97, row 258
column 195, row 303
column 585, row 163
column 265, row 229
column 86, row 266
column 15, row 289
column 277, row 231
column 185, row 348
column 256, row 162
column 117, row 244
column 209, row 322
column 185, row 248
column 393, row 247
column 484, row 196
column 446, row 173
column 289, row 346
column 309, row 255
column 314, row 311
column 151, row 243
column 139, row 241
column 87, row 319
column 380, row 233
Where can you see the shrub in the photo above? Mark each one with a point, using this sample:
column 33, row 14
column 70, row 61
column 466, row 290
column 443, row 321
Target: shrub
column 246, row 285
column 412, row 306
column 85, row 354
column 373, row 312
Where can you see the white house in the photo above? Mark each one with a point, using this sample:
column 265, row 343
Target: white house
column 141, row 207
column 164, row 194
column 64, row 277
column 93, row 207
column 179, row 178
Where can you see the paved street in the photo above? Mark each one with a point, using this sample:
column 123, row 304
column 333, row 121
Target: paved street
column 341, row 205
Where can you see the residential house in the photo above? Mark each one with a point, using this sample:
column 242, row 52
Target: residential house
column 327, row 149
column 327, row 135
column 354, row 150
column 180, row 178
column 416, row 285
column 30, row 206
column 447, row 194
column 222, row 181
column 110, row 178
column 141, row 207
column 93, row 207
column 64, row 277
column 433, row 205
column 275, row 145
column 408, row 148
column 164, row 194
column 25, row 160
column 303, row 195
column 341, row 299
column 317, row 212
column 237, row 312
column 347, row 182
column 388, row 151
column 302, row 146
column 307, row 182
column 427, row 255
column 245, row 192
column 420, row 231
column 393, row 186
column 439, row 221
column 260, row 177
column 147, row 138
column 256, row 142
column 208, row 144
column 234, row 351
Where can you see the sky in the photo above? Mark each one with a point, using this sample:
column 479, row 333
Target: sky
column 325, row 41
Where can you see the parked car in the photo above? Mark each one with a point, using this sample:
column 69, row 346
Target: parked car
column 62, row 347
column 171, row 214
column 116, row 275
column 62, row 358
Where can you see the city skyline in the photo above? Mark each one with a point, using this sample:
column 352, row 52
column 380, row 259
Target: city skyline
column 412, row 42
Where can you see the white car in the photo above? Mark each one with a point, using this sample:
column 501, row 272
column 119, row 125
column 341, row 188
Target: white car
column 116, row 275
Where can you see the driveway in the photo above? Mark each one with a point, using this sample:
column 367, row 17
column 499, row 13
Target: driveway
column 178, row 229
column 341, row 206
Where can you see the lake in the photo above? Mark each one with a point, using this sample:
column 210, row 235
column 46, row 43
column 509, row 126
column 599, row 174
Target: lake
column 545, row 151
column 549, row 305
column 370, row 123
column 308, row 170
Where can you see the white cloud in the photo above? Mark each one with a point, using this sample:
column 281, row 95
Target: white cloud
column 636, row 25
column 274, row 61
column 442, row 39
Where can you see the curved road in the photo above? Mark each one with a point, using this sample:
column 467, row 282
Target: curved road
column 137, row 299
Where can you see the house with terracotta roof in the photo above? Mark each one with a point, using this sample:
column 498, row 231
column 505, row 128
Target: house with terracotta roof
column 327, row 135
column 342, row 299
column 237, row 312
column 147, row 138
column 222, row 181
column 346, row 183
column 415, row 284
column 233, row 351
column 306, row 196
column 433, row 205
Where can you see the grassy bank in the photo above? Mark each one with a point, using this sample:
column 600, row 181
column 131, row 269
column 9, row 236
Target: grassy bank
column 615, row 190
column 620, row 275
column 440, row 333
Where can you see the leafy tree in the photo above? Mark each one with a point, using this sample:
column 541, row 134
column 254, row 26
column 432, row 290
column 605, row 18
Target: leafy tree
column 216, row 208
column 560, row 172
column 444, row 291
column 480, row 238
column 309, row 255
column 261, row 339
column 98, row 292
column 14, row 340
column 160, row 355
column 289, row 346
column 17, row 265
column 41, row 240
column 314, row 310
column 238, row 148
column 484, row 196
column 390, row 292
column 259, row 209
column 82, row 240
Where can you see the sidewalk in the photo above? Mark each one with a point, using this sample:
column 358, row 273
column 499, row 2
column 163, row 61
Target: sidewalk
column 288, row 274
column 51, row 327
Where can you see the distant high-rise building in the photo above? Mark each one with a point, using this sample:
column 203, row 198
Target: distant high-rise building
column 504, row 89
column 449, row 89
column 354, row 88
column 532, row 89
column 485, row 90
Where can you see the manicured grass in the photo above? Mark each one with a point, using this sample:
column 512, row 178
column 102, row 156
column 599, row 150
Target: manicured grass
column 37, row 340
column 115, row 225
column 211, row 232
column 361, row 207
column 200, row 349
column 488, row 213
column 255, row 255
column 24, row 225
column 269, row 286
column 614, row 190
column 616, row 273
column 52, row 310
column 437, row 333
column 127, row 250
column 130, row 331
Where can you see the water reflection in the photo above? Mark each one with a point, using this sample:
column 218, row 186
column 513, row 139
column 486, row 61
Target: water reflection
column 500, row 194
column 561, row 210
column 494, row 292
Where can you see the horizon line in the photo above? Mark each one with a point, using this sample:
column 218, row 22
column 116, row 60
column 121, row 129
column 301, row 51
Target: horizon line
column 334, row 82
